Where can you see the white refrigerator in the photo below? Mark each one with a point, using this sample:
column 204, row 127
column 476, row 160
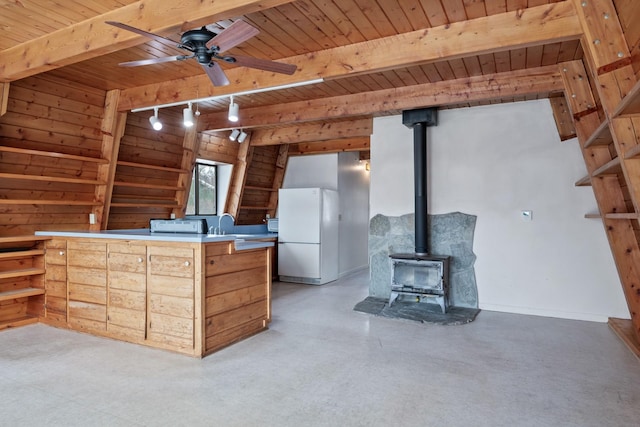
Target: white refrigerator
column 308, row 235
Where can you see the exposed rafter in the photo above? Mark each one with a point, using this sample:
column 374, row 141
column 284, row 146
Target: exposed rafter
column 543, row 80
column 539, row 25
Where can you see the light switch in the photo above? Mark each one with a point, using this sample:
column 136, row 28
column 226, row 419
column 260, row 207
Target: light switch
column 526, row 215
column 92, row 218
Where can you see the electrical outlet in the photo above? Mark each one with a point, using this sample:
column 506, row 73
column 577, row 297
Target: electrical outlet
column 173, row 216
column 92, row 218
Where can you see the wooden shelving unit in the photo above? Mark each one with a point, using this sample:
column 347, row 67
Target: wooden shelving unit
column 52, row 154
column 21, row 280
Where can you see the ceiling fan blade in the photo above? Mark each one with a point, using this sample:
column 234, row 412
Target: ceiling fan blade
column 144, row 33
column 153, row 61
column 233, row 35
column 265, row 64
column 215, row 73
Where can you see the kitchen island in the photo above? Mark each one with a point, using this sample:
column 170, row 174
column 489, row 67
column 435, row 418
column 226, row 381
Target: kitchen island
column 192, row 294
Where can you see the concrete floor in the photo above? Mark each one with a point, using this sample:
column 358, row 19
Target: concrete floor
column 322, row 364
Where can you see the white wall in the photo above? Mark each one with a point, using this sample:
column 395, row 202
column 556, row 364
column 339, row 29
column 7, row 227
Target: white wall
column 494, row 162
column 353, row 190
column 345, row 173
column 312, row 171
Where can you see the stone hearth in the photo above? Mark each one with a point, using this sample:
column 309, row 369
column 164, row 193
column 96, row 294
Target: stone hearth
column 449, row 234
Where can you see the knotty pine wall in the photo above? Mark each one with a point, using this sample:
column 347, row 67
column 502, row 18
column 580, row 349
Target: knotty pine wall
column 148, row 171
column 258, row 184
column 50, row 148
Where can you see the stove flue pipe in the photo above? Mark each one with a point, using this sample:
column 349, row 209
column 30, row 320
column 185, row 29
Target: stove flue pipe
column 419, row 120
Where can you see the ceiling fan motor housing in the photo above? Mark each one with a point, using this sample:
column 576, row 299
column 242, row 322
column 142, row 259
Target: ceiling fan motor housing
column 196, row 42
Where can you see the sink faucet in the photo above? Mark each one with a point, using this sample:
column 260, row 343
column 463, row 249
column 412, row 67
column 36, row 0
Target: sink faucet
column 220, row 221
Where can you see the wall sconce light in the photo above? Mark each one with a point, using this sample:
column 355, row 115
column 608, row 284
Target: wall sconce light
column 187, row 115
column 242, row 136
column 155, row 122
column 234, row 110
column 234, row 134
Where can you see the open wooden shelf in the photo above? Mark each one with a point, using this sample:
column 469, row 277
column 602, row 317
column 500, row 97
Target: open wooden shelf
column 256, row 208
column 251, row 187
column 592, row 216
column 21, row 254
column 621, row 215
column 52, row 154
column 144, row 205
column 14, row 323
column 585, row 181
column 21, row 273
column 149, row 186
column 601, row 136
column 630, row 104
column 612, row 167
column 48, row 202
column 632, row 153
column 50, row 179
column 22, row 239
column 20, row 293
column 154, row 167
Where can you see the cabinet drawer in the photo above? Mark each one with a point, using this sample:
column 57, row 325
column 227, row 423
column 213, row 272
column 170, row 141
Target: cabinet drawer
column 221, row 264
column 134, row 263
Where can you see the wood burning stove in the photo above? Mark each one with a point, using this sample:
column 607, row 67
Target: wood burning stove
column 423, row 277
column 420, row 274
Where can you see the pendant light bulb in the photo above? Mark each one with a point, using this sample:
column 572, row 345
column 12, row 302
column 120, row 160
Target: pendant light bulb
column 234, row 110
column 187, row 115
column 155, row 122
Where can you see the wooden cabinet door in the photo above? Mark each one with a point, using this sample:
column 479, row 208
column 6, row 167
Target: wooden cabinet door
column 55, row 282
column 170, row 297
column 87, row 285
column 126, row 290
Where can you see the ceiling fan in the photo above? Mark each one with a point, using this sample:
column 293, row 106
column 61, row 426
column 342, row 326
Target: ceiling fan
column 207, row 48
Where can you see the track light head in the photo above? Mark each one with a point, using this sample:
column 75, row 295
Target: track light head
column 234, row 134
column 242, row 136
column 155, row 122
column 234, row 110
column 187, row 115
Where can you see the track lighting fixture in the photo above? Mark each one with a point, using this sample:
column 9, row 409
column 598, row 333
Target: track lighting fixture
column 234, row 110
column 187, row 115
column 234, row 134
column 155, row 122
column 242, row 136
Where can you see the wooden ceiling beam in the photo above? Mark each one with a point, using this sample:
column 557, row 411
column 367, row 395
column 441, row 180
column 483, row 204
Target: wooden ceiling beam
column 92, row 37
column 550, row 23
column 542, row 80
column 309, row 132
column 361, row 143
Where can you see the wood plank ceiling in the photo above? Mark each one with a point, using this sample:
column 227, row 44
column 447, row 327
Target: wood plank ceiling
column 303, row 32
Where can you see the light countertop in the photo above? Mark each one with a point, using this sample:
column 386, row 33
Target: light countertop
column 242, row 241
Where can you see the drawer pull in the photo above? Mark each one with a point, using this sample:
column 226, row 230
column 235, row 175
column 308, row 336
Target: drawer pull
column 187, row 263
column 139, row 259
column 212, row 262
column 61, row 253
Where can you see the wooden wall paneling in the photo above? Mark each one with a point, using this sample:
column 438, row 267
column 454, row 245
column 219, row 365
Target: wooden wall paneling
column 217, row 148
column 278, row 178
column 629, row 14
